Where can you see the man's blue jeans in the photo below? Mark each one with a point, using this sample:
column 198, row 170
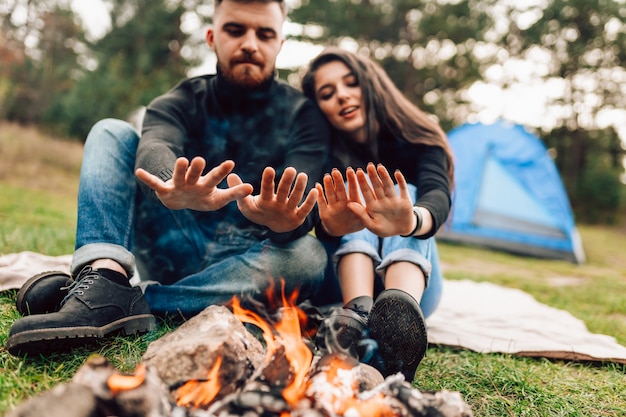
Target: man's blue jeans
column 199, row 262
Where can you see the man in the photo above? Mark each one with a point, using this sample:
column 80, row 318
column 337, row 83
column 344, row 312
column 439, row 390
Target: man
column 197, row 229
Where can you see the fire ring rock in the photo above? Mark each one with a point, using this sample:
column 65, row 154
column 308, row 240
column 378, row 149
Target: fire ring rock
column 189, row 352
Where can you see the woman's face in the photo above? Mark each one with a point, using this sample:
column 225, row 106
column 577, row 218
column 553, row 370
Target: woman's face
column 339, row 96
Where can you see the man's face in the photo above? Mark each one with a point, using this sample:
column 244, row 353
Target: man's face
column 246, row 38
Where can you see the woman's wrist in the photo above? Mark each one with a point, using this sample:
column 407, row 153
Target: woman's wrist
column 419, row 219
column 325, row 230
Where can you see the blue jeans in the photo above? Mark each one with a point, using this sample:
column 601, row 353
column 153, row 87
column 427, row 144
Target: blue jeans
column 385, row 251
column 197, row 261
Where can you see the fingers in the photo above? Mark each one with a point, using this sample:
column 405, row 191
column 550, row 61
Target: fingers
column 194, row 171
column 217, row 174
column 328, row 190
column 150, row 180
column 290, row 190
column 339, row 188
column 267, row 184
column 308, row 204
column 380, row 184
column 402, row 185
column 190, row 173
column 321, row 199
column 298, row 192
column 237, row 187
column 180, row 172
column 364, row 186
column 334, row 187
column 353, row 186
column 284, row 185
column 386, row 180
column 375, row 181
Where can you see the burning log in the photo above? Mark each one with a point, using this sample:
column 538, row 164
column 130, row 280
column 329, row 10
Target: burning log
column 139, row 394
column 190, row 352
column 98, row 389
column 118, row 383
column 56, row 403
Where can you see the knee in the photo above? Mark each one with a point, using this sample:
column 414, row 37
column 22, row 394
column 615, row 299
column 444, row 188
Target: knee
column 313, row 258
column 110, row 147
column 111, row 130
column 307, row 266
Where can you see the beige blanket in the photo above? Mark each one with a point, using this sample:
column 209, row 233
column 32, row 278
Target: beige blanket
column 16, row 268
column 485, row 317
column 482, row 317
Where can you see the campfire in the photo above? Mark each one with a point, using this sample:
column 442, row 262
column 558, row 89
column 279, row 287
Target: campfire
column 236, row 361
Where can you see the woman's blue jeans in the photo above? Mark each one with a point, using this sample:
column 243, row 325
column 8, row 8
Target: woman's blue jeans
column 198, row 262
column 385, row 251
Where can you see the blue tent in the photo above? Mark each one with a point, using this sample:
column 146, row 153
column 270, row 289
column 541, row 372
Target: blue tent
column 509, row 194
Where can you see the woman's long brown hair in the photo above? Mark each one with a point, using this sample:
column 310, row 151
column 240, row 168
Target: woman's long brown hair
column 386, row 106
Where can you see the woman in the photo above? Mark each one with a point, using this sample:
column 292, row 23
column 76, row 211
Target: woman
column 386, row 229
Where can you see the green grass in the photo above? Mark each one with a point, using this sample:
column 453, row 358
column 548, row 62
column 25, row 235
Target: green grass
column 594, row 291
column 38, row 219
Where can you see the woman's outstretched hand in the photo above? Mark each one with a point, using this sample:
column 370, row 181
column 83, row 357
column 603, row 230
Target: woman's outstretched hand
column 333, row 199
column 386, row 211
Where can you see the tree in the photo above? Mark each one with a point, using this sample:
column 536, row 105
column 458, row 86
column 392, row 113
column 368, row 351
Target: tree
column 436, row 50
column 137, row 60
column 39, row 53
column 583, row 43
column 428, row 48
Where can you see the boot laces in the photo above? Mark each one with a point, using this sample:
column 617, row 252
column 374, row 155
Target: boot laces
column 86, row 277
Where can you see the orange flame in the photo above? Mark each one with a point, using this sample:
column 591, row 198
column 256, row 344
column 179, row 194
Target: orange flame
column 200, row 393
column 335, row 389
column 375, row 406
column 118, row 382
column 247, row 316
column 298, row 353
column 286, row 333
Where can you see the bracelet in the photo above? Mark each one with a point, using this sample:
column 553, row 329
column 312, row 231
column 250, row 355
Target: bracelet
column 418, row 223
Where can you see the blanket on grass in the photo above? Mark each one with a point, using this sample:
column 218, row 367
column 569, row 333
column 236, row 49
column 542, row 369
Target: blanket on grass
column 481, row 317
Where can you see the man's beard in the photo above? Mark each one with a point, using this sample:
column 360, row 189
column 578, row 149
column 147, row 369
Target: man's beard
column 244, row 76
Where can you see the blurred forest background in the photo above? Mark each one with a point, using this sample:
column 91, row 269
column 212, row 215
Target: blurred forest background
column 451, row 57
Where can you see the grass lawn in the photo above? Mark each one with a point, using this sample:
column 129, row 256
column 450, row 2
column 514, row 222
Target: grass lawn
column 38, row 185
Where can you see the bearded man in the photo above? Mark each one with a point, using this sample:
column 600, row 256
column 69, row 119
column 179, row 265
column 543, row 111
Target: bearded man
column 226, row 164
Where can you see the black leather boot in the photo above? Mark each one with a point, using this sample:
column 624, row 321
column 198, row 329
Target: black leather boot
column 342, row 332
column 398, row 326
column 94, row 308
column 43, row 293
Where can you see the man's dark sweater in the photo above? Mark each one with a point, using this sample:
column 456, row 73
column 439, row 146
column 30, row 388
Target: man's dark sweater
column 274, row 126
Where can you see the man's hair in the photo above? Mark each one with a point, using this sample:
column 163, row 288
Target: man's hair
column 281, row 3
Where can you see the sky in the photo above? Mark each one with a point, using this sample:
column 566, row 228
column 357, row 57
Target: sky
column 525, row 103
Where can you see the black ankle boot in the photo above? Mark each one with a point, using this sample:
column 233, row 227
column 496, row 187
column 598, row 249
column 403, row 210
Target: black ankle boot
column 398, row 326
column 342, row 331
column 43, row 293
column 94, row 308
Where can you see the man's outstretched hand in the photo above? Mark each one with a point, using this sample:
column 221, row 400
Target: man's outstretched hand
column 280, row 210
column 189, row 189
